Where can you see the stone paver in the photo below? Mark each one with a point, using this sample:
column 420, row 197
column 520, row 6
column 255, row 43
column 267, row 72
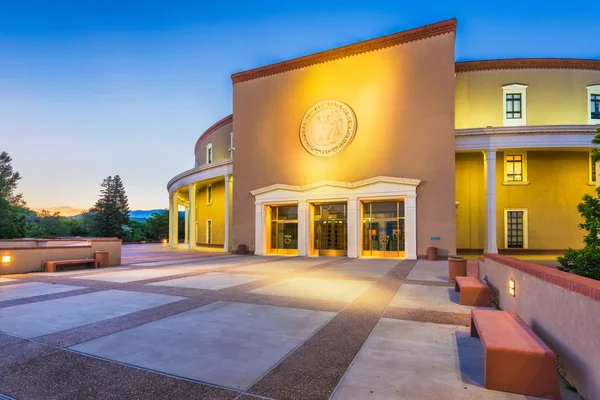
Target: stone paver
column 285, row 264
column 360, row 268
column 79, row 271
column 224, row 343
column 416, row 360
column 42, row 318
column 434, row 298
column 316, row 288
column 434, row 271
column 132, row 275
column 30, row 289
column 210, row 281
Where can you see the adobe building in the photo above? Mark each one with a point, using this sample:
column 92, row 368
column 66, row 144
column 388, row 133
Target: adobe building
column 387, row 147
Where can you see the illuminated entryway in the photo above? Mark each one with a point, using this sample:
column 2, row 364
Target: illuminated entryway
column 330, row 218
column 329, row 229
column 383, row 229
column 283, row 229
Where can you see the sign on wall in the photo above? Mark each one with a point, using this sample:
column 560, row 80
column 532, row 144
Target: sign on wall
column 327, row 128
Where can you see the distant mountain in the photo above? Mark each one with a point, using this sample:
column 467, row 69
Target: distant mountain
column 142, row 215
column 64, row 211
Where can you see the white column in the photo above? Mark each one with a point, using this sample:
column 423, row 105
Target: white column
column 171, row 206
column 186, row 225
column 410, row 220
column 175, row 242
column 259, row 230
column 192, row 227
column 491, row 241
column 302, row 228
column 353, row 227
column 226, row 241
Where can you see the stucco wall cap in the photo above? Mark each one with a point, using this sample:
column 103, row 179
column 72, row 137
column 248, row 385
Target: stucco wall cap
column 349, row 185
column 423, row 32
column 527, row 63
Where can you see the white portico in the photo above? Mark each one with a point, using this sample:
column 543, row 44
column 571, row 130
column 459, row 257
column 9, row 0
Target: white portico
column 376, row 216
column 205, row 193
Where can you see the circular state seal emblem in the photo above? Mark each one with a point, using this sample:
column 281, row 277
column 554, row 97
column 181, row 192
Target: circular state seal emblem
column 327, row 128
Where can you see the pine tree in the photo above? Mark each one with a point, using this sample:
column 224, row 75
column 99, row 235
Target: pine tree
column 12, row 213
column 111, row 211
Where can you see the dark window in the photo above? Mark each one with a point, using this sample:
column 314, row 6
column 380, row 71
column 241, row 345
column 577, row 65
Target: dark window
column 514, row 229
column 595, row 106
column 514, row 168
column 513, row 106
column 593, row 169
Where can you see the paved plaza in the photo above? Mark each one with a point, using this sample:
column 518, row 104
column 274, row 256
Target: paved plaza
column 240, row 327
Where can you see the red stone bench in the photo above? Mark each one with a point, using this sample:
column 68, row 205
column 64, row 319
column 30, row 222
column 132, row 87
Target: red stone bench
column 50, row 266
column 516, row 360
column 473, row 291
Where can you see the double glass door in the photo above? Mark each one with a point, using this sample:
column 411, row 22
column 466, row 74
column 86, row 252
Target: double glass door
column 330, row 229
column 284, row 230
column 383, row 229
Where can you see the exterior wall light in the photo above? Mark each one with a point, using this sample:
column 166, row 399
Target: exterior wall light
column 511, row 287
column 5, row 259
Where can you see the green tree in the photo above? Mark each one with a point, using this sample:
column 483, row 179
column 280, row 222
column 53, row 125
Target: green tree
column 157, row 226
column 12, row 212
column 47, row 225
column 111, row 211
column 586, row 261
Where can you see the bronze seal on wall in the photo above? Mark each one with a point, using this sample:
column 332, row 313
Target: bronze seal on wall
column 327, row 128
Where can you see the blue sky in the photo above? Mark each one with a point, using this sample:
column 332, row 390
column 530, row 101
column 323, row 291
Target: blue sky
column 91, row 89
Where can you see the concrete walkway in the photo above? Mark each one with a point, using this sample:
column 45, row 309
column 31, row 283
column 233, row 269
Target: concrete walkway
column 240, row 327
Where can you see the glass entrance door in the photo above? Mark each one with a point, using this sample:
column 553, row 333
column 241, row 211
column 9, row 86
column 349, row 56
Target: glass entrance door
column 383, row 229
column 284, row 230
column 330, row 229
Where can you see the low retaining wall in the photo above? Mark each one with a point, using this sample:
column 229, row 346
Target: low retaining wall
column 562, row 308
column 30, row 258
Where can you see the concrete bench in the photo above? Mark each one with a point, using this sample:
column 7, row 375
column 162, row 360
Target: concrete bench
column 50, row 266
column 473, row 291
column 516, row 360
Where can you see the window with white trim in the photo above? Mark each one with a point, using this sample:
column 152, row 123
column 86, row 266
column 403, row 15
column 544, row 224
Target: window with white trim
column 514, row 99
column 209, row 153
column 594, row 104
column 516, row 228
column 209, row 194
column 231, row 148
column 515, row 168
column 209, row 231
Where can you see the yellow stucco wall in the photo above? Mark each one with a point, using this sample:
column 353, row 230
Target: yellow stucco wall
column 554, row 96
column 557, row 181
column 214, row 211
column 470, row 194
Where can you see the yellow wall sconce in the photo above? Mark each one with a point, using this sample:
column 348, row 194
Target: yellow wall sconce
column 5, row 259
column 511, row 288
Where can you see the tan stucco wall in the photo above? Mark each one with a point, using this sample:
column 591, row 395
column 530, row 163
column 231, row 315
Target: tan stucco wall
column 25, row 260
column 554, row 96
column 214, row 211
column 403, row 98
column 221, row 141
column 557, row 182
column 565, row 320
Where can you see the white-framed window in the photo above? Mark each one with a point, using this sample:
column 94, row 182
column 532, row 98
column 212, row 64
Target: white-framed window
column 516, row 228
column 209, row 153
column 209, row 195
column 209, row 231
column 593, row 100
column 515, row 167
column 592, row 171
column 514, row 100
